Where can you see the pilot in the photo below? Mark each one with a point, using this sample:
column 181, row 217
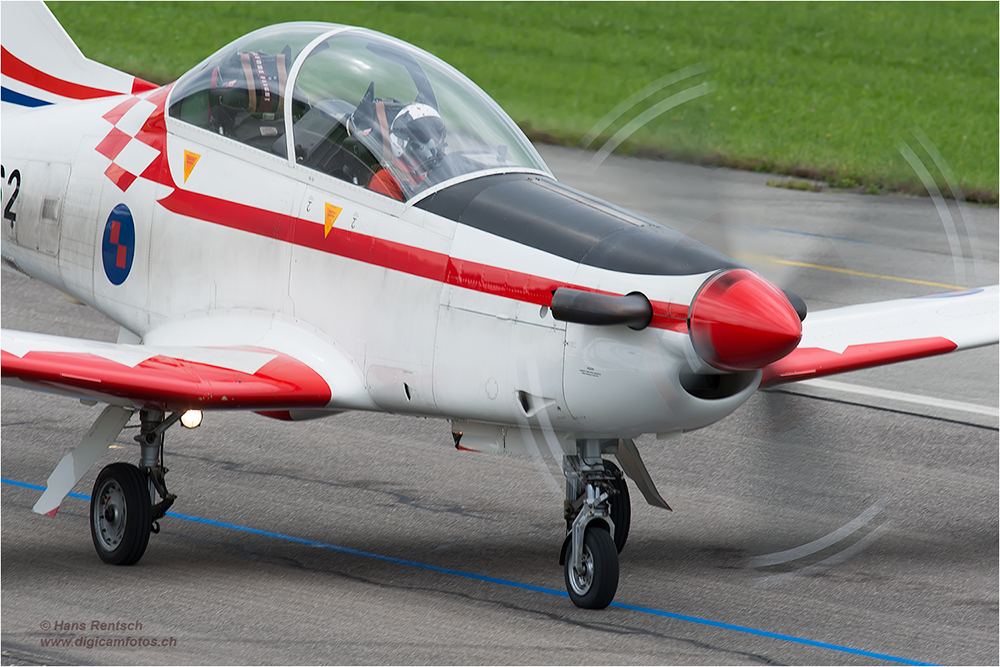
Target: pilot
column 417, row 141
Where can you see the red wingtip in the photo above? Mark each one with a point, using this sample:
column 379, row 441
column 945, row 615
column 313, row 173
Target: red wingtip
column 742, row 322
column 52, row 513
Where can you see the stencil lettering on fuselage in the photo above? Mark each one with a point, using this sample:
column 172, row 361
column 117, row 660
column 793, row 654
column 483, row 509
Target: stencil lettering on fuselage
column 118, row 246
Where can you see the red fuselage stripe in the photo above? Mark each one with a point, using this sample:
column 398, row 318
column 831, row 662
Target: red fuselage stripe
column 391, row 255
column 17, row 69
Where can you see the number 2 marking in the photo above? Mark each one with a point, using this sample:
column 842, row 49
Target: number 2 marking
column 15, row 175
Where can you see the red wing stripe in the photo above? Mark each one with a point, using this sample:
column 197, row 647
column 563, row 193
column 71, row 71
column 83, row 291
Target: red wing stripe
column 166, row 383
column 813, row 362
column 392, row 255
column 17, row 69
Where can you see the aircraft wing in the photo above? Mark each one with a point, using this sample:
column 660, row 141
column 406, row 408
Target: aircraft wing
column 163, row 378
column 873, row 334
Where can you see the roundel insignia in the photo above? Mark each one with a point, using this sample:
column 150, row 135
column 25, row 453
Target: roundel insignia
column 118, row 246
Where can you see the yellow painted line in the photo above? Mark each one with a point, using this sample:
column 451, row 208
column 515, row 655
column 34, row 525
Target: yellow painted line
column 788, row 262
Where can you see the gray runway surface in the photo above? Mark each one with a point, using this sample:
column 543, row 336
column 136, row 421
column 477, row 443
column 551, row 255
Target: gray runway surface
column 883, row 511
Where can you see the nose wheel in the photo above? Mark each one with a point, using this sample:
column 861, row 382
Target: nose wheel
column 120, row 514
column 593, row 583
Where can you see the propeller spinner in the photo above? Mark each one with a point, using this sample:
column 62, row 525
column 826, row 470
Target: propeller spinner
column 739, row 321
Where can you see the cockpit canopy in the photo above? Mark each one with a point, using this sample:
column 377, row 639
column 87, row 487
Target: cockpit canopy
column 354, row 104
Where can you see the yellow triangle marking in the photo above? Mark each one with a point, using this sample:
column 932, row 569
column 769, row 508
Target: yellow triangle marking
column 331, row 217
column 190, row 160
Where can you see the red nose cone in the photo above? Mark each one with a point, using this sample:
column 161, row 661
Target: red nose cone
column 741, row 322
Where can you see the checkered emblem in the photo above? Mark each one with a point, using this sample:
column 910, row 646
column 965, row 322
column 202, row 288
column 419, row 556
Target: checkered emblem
column 132, row 145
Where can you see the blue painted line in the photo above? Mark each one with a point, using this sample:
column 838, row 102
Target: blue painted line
column 821, row 236
column 771, row 635
column 507, row 582
column 14, row 97
column 25, row 485
column 949, row 295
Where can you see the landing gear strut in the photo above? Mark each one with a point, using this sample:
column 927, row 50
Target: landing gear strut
column 620, row 507
column 123, row 511
column 597, row 521
column 598, row 515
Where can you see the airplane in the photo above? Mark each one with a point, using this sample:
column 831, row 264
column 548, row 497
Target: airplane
column 321, row 218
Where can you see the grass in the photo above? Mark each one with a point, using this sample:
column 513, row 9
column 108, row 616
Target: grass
column 823, row 91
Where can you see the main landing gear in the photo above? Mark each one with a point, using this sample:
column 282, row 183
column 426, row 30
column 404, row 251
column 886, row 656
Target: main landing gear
column 123, row 506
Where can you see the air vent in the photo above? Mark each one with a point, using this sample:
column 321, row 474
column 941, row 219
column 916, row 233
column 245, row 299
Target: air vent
column 714, row 387
column 531, row 404
column 50, row 209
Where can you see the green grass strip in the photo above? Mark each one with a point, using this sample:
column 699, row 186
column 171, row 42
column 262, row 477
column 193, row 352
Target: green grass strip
column 817, row 90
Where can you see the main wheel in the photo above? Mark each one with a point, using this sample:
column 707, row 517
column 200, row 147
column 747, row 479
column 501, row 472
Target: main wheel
column 595, row 586
column 619, row 506
column 120, row 514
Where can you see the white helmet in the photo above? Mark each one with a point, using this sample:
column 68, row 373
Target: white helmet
column 417, row 136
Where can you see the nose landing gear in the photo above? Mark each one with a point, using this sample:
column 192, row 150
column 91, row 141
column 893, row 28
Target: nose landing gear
column 598, row 515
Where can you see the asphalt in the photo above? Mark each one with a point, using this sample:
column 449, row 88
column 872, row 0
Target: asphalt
column 816, row 525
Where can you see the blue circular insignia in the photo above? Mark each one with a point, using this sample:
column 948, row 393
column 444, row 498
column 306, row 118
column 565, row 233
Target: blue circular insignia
column 118, row 247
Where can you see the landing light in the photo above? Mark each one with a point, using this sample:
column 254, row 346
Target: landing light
column 191, row 419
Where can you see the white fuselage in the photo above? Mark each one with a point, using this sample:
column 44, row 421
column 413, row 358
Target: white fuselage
column 424, row 311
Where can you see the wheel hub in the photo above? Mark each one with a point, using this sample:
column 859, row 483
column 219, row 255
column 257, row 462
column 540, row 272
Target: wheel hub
column 582, row 579
column 110, row 515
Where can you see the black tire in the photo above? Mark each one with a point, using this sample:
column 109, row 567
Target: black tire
column 121, row 514
column 619, row 506
column 595, row 589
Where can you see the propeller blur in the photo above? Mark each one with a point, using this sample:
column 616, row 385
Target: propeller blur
column 287, row 232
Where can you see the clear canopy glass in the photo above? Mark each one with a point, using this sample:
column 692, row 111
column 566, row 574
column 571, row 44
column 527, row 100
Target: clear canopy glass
column 364, row 107
column 239, row 91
